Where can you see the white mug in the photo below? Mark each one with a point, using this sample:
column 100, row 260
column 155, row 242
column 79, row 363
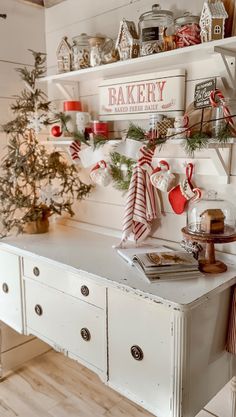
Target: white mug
column 82, row 120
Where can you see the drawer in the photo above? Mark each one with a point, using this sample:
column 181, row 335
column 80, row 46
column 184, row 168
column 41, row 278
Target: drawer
column 10, row 291
column 66, row 323
column 62, row 280
column 140, row 354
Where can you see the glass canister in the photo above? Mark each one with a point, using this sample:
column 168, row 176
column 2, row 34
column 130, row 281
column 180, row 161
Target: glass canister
column 151, row 29
column 187, row 30
column 96, row 43
column 80, row 52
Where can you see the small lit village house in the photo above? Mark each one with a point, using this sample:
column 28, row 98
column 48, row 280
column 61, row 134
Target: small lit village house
column 212, row 21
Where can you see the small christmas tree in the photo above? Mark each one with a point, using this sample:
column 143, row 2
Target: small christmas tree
column 34, row 184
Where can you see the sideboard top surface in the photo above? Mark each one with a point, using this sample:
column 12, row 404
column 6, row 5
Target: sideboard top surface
column 90, row 253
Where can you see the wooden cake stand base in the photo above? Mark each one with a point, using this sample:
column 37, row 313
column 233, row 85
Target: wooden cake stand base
column 210, row 264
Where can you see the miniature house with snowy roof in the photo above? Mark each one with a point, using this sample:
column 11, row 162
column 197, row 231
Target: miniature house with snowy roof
column 127, row 42
column 64, row 56
column 212, row 21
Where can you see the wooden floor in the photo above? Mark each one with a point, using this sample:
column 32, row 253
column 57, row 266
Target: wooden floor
column 54, row 386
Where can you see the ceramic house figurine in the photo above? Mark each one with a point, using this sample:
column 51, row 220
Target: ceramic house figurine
column 64, row 56
column 212, row 21
column 212, row 221
column 128, row 40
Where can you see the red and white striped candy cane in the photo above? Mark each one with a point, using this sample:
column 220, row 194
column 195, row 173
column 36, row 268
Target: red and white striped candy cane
column 217, row 97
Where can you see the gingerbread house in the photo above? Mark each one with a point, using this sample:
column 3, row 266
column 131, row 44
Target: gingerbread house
column 64, row 56
column 127, row 42
column 212, row 21
column 212, row 221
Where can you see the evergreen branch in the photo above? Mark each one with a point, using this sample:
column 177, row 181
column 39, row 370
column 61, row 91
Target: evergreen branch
column 136, row 132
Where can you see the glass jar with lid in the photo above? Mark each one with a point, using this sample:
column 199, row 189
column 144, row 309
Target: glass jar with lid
column 187, row 30
column 151, row 29
column 80, row 52
column 211, row 216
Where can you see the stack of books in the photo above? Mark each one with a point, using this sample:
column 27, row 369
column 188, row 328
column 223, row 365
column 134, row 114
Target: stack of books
column 161, row 263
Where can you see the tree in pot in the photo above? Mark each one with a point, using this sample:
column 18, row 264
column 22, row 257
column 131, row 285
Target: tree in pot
column 34, row 184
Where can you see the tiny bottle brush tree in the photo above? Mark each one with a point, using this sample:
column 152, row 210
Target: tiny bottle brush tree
column 34, row 184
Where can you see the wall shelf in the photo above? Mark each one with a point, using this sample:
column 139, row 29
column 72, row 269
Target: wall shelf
column 214, row 153
column 163, row 60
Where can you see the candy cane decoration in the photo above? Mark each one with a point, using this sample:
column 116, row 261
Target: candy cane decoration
column 217, row 97
column 75, row 148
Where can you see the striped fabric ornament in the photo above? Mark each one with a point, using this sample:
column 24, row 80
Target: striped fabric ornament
column 74, row 149
column 216, row 99
column 231, row 341
column 143, row 204
column 145, row 157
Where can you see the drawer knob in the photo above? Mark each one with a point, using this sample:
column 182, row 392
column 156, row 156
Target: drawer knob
column 85, row 334
column 137, row 353
column 38, row 310
column 5, row 287
column 36, row 271
column 84, row 290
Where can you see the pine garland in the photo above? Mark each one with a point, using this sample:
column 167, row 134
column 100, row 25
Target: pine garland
column 200, row 140
column 136, row 133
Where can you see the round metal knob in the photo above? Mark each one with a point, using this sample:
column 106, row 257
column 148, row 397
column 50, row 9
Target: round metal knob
column 85, row 334
column 5, row 287
column 36, row 271
column 84, row 290
column 38, row 310
column 137, row 353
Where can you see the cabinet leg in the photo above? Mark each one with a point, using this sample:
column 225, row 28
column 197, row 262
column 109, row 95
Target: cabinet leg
column 233, row 396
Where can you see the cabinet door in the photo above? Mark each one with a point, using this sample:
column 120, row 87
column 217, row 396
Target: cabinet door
column 139, row 335
column 66, row 323
column 10, row 291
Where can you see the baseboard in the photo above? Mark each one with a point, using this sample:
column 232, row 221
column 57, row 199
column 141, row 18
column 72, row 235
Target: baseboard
column 16, row 357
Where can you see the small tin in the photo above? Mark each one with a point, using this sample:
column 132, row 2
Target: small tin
column 100, row 128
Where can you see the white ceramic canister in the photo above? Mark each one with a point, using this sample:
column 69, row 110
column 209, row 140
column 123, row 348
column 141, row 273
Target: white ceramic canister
column 82, row 121
column 71, row 108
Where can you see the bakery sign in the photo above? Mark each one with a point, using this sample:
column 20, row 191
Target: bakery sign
column 134, row 97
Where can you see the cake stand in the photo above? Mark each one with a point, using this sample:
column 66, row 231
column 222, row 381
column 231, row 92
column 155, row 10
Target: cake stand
column 210, row 264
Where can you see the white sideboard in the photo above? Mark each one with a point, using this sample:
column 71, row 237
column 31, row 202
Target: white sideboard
column 161, row 345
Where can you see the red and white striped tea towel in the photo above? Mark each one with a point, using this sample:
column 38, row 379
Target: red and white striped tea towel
column 231, row 342
column 143, row 204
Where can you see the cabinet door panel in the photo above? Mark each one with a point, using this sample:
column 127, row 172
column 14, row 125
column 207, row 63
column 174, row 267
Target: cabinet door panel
column 10, row 291
column 140, row 360
column 67, row 323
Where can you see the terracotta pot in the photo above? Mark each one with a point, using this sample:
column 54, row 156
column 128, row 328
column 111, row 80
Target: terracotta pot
column 37, row 226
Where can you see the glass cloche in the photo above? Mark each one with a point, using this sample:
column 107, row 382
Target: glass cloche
column 211, row 216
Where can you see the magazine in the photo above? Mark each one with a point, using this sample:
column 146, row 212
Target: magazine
column 166, row 265
column 128, row 254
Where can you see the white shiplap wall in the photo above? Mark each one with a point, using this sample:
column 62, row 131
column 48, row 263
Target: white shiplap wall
column 22, row 30
column 105, row 206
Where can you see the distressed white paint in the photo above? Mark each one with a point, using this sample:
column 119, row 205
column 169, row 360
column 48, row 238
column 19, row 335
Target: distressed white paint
column 181, row 370
column 10, row 299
